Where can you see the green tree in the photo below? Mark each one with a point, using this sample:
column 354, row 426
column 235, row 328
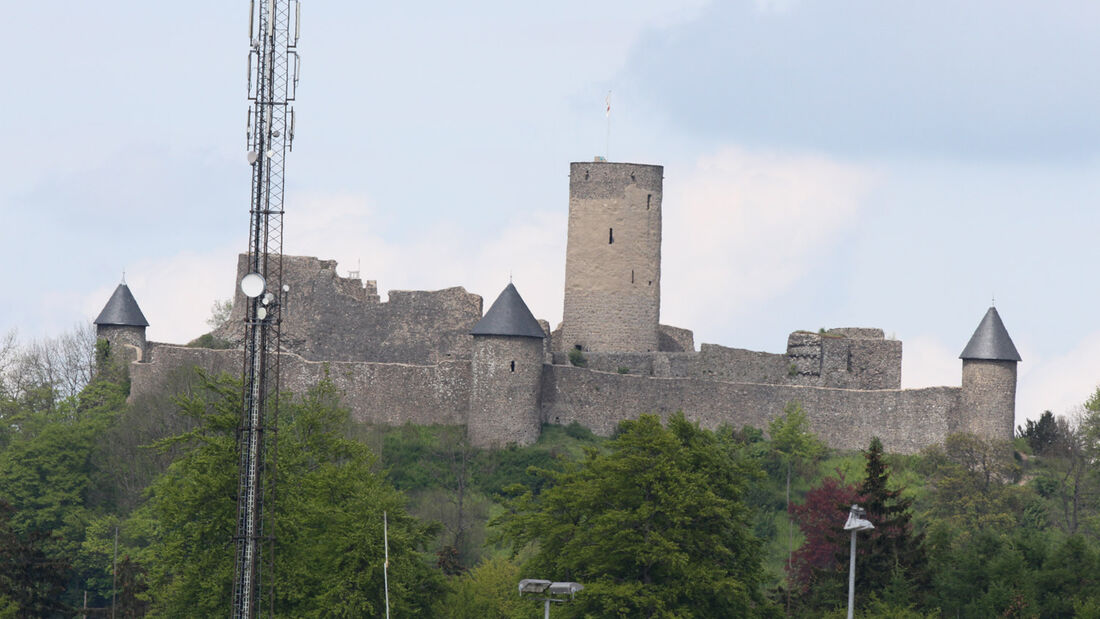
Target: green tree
column 971, row 482
column 797, row 448
column 328, row 517
column 488, row 591
column 893, row 563
column 1041, row 435
column 653, row 527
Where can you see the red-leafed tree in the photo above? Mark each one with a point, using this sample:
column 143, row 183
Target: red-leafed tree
column 820, row 517
column 891, row 560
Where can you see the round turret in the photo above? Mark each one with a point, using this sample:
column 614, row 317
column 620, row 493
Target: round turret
column 121, row 328
column 506, row 373
column 988, row 403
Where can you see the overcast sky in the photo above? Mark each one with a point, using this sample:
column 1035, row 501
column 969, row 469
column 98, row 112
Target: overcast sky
column 844, row 163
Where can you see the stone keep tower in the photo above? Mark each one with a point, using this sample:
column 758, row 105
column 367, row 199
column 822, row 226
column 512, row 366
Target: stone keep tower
column 988, row 406
column 613, row 257
column 506, row 374
column 122, row 325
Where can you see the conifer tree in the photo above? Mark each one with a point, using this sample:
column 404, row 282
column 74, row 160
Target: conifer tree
column 892, row 561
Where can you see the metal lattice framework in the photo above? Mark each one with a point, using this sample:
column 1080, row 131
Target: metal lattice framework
column 272, row 82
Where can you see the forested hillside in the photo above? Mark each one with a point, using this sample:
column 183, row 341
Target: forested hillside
column 107, row 503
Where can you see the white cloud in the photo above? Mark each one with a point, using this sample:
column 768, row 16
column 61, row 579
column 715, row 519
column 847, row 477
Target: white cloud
column 927, row 362
column 1060, row 384
column 746, row 225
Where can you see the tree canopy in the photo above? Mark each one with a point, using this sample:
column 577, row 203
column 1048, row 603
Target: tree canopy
column 654, row 526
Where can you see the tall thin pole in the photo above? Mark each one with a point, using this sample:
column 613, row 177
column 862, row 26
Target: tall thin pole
column 114, row 576
column 386, row 565
column 852, row 576
column 607, row 144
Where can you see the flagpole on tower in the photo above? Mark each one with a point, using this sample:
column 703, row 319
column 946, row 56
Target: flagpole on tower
column 607, row 146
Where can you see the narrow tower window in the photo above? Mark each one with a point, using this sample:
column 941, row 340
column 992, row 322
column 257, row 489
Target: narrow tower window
column 631, row 276
column 513, row 365
column 586, row 175
column 648, row 200
column 610, row 236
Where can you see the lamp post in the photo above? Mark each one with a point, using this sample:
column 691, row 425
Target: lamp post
column 554, row 591
column 856, row 522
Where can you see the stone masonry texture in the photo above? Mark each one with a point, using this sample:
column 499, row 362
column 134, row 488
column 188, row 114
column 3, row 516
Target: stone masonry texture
column 613, row 257
column 505, row 388
column 412, row 359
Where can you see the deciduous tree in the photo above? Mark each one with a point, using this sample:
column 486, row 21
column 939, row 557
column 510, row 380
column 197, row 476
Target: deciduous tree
column 654, row 527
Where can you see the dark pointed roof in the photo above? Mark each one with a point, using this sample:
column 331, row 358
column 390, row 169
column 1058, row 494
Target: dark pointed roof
column 509, row 316
column 990, row 341
column 122, row 310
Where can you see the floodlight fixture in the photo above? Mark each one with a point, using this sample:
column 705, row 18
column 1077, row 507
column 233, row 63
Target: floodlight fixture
column 533, row 585
column 554, row 591
column 565, row 588
column 856, row 523
column 856, row 520
column 253, row 285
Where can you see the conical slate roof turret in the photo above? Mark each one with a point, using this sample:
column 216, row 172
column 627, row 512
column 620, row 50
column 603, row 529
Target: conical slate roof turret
column 509, row 316
column 122, row 310
column 990, row 341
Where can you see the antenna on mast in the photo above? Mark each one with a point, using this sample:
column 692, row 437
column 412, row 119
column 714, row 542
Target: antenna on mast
column 272, row 79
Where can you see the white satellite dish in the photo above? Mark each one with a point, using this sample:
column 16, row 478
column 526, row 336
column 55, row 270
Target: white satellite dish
column 252, row 156
column 261, row 312
column 286, row 288
column 270, row 154
column 268, row 298
column 253, row 285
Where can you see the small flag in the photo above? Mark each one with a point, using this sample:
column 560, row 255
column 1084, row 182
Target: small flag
column 609, row 104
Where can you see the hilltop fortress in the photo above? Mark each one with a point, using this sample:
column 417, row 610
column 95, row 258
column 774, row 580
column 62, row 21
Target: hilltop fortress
column 432, row 357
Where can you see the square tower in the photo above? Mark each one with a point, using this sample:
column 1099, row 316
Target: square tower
column 613, row 257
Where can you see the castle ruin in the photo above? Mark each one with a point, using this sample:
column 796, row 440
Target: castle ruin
column 431, row 357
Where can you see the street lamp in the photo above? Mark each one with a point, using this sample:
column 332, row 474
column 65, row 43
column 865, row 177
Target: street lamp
column 856, row 522
column 554, row 591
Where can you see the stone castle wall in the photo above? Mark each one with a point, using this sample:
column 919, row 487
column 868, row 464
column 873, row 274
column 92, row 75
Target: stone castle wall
column 500, row 407
column 331, row 318
column 905, row 420
column 377, row 393
column 613, row 257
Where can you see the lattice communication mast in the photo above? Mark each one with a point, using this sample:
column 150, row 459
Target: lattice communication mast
column 272, row 82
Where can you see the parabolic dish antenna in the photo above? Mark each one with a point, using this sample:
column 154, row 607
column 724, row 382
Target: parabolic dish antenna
column 252, row 285
column 252, row 156
column 261, row 312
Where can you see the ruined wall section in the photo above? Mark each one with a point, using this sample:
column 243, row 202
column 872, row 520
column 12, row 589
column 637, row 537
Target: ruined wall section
column 849, row 358
column 382, row 393
column 328, row 317
column 675, row 339
column 905, row 420
column 613, row 257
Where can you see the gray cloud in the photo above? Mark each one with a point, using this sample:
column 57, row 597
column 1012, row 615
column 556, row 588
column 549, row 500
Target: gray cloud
column 980, row 79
